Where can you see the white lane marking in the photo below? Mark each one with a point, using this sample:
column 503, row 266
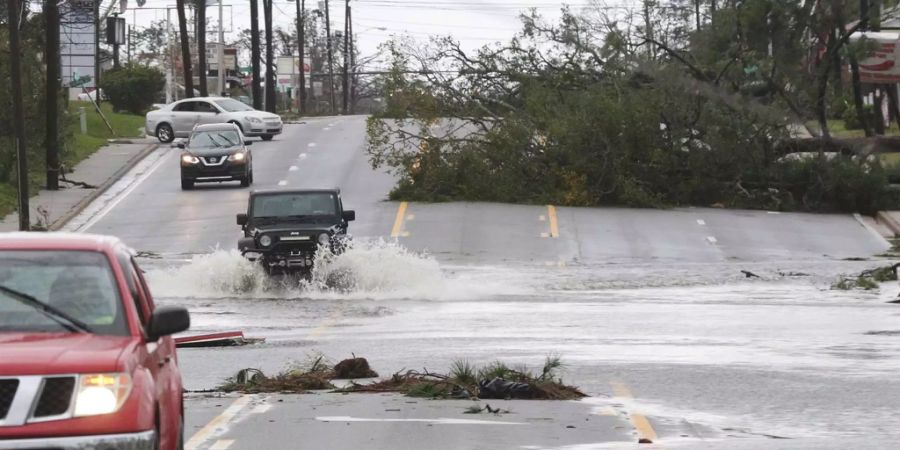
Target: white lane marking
column 293, row 169
column 311, row 144
column 326, row 129
column 282, row 183
column 545, row 235
column 438, row 421
column 92, row 215
column 217, row 425
column 701, row 222
column 302, row 156
column 410, row 217
column 712, row 239
column 222, row 444
column 542, row 218
column 331, row 124
column 773, row 212
column 261, row 409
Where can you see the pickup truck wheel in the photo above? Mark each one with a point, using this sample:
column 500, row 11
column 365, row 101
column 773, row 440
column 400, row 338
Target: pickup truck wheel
column 267, row 137
column 164, row 133
column 245, row 181
column 187, row 184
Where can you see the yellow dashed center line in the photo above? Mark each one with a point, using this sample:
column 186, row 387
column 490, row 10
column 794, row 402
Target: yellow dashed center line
column 218, row 424
column 641, row 424
column 554, row 224
column 398, row 222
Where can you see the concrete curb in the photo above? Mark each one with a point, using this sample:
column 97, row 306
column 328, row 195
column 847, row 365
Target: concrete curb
column 83, row 203
column 859, row 218
column 888, row 221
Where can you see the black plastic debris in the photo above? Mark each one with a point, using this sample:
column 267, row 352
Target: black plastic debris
column 502, row 389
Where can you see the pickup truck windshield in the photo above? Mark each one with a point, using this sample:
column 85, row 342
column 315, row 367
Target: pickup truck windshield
column 79, row 284
column 294, row 205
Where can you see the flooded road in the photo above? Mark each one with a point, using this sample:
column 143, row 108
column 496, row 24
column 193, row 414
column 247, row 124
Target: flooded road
column 704, row 349
column 652, row 311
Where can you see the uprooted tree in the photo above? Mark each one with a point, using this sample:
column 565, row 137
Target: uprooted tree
column 594, row 111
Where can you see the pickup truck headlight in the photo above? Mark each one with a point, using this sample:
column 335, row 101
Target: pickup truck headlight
column 252, row 119
column 101, row 393
column 265, row 240
column 239, row 156
column 190, row 159
column 324, row 239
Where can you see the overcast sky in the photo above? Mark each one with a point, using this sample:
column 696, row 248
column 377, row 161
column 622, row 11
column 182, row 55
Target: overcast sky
column 473, row 22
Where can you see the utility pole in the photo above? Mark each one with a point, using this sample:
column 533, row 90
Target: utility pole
column 202, row 70
column 185, row 51
column 697, row 12
column 221, row 56
column 13, row 8
column 352, row 65
column 330, row 55
column 51, row 55
column 271, row 96
column 256, row 89
column 301, row 30
column 345, row 88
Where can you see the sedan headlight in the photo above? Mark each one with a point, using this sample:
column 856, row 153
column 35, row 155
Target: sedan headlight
column 324, row 239
column 239, row 156
column 102, row 393
column 265, row 240
column 190, row 159
column 252, row 119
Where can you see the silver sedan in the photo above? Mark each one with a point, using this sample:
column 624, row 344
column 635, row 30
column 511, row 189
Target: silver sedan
column 177, row 119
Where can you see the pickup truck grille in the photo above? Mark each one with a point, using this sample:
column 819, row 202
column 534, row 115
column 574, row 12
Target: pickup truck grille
column 7, row 393
column 55, row 397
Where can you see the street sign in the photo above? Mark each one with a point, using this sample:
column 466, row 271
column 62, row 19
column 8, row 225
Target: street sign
column 79, row 81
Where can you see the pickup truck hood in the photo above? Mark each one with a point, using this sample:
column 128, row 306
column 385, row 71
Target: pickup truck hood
column 52, row 353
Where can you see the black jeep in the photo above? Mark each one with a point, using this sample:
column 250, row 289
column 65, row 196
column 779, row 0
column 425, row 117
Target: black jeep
column 283, row 228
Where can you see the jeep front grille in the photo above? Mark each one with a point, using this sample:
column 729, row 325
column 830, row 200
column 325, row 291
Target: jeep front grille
column 7, row 393
column 56, row 396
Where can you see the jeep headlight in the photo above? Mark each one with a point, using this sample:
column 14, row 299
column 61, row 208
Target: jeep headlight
column 265, row 240
column 101, row 393
column 252, row 119
column 324, row 239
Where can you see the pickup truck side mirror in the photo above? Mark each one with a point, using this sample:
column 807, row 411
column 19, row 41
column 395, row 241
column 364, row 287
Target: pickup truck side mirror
column 248, row 142
column 349, row 215
column 242, row 219
column 180, row 145
column 168, row 320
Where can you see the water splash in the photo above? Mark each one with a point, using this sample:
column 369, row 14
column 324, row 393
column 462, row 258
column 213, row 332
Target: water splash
column 366, row 270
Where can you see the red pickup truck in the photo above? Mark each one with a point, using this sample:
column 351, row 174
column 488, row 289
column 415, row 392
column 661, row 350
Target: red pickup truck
column 87, row 360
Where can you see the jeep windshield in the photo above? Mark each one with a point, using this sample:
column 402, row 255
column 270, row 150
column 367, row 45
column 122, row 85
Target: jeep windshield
column 59, row 291
column 214, row 139
column 312, row 207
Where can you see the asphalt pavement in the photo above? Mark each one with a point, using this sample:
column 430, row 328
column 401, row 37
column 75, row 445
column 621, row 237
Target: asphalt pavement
column 653, row 311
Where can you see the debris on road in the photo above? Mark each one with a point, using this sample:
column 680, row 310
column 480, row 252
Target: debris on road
column 495, row 381
column 223, row 339
column 349, row 369
column 868, row 279
column 296, row 381
column 478, row 409
column 749, row 274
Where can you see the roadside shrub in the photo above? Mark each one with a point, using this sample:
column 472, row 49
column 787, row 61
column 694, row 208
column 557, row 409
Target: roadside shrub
column 851, row 118
column 132, row 88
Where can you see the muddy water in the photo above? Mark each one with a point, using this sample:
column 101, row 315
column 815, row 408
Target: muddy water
column 699, row 344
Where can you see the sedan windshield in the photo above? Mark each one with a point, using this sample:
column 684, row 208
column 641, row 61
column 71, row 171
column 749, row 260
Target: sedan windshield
column 59, row 291
column 214, row 139
column 294, row 205
column 231, row 105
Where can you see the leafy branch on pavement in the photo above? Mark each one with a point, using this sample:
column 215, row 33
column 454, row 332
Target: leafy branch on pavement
column 868, row 279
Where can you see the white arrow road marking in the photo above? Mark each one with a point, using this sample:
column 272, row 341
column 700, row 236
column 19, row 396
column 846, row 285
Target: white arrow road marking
column 712, row 239
column 293, row 169
column 311, row 144
column 282, row 183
